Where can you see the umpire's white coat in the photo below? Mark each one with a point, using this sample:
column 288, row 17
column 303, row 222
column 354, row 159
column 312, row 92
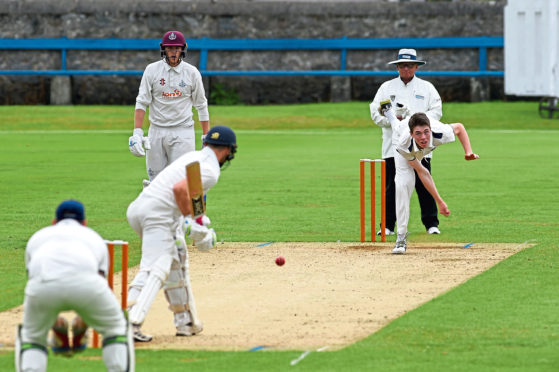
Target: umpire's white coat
column 418, row 96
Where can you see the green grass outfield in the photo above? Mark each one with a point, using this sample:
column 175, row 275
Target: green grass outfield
column 296, row 178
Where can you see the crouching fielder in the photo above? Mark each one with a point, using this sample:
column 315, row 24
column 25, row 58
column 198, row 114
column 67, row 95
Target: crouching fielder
column 67, row 264
column 155, row 215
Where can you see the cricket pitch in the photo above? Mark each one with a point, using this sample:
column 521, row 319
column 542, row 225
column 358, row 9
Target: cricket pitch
column 326, row 295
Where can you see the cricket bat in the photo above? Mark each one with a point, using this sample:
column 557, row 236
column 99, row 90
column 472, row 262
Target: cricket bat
column 194, row 182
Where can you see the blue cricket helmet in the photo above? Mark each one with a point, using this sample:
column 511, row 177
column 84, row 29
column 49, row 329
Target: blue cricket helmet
column 221, row 135
column 70, row 209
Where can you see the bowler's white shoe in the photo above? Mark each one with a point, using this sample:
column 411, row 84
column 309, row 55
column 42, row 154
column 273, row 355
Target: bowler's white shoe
column 434, row 230
column 386, row 232
column 400, row 247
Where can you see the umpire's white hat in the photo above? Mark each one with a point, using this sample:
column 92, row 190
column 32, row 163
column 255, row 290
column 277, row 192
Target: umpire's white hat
column 407, row 56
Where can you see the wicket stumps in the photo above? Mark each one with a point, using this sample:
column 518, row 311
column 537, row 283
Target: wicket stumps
column 372, row 197
column 110, row 276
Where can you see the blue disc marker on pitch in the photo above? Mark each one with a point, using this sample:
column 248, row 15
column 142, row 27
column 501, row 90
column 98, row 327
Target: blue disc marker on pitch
column 264, row 244
column 256, row 348
column 468, row 245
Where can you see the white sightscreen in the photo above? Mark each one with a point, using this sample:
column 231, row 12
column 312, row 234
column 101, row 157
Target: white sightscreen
column 531, row 48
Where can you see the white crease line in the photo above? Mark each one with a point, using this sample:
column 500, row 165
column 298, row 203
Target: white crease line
column 525, row 243
column 301, row 357
column 304, row 355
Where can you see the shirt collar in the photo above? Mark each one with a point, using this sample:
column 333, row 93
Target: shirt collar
column 177, row 68
column 406, row 84
column 68, row 221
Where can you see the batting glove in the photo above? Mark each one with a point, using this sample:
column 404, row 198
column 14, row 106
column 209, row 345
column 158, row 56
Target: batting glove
column 208, row 242
column 136, row 141
column 194, row 230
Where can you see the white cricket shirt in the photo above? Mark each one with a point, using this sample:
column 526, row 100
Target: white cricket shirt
column 407, row 147
column 161, row 188
column 65, row 250
column 170, row 93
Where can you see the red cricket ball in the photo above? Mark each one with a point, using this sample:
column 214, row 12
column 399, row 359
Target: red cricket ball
column 280, row 261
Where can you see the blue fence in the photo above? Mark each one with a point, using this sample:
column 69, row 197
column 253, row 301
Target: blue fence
column 206, row 45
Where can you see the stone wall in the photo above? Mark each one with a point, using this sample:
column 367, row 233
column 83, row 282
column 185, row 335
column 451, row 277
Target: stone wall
column 245, row 19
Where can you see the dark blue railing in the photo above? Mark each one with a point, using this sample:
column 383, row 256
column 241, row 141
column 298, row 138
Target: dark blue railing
column 205, row 45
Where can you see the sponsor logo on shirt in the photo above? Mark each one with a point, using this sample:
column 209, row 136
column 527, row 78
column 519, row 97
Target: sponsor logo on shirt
column 174, row 94
column 419, row 97
column 162, row 81
column 182, row 84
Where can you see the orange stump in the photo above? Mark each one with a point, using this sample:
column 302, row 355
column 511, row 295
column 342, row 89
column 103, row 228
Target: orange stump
column 110, row 276
column 372, row 197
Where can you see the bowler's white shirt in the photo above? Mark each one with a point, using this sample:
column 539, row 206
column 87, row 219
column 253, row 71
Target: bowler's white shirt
column 161, row 188
column 407, row 147
column 418, row 96
column 65, row 250
column 170, row 93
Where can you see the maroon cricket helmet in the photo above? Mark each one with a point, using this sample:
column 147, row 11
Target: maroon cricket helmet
column 173, row 38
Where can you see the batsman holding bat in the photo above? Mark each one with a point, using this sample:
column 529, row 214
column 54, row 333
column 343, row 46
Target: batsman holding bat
column 156, row 214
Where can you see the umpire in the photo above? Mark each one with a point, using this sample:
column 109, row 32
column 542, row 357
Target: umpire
column 409, row 94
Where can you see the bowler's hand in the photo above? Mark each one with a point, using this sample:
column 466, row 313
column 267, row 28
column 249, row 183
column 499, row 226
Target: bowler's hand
column 471, row 156
column 443, row 208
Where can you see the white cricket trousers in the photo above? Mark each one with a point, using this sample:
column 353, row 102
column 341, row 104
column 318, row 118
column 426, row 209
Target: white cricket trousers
column 167, row 145
column 87, row 294
column 405, row 184
column 157, row 234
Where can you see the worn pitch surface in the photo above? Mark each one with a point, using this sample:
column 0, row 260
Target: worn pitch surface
column 326, row 294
